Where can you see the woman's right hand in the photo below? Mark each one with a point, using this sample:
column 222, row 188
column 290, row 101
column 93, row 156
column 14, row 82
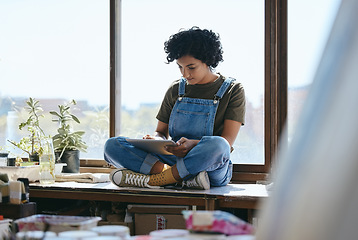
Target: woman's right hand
column 183, row 146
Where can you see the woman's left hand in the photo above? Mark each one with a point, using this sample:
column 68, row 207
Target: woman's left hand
column 184, row 145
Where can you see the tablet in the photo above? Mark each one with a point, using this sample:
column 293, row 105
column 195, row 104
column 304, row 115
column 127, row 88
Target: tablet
column 152, row 145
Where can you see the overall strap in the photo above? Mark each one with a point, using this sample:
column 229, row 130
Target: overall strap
column 223, row 88
column 181, row 89
column 220, row 93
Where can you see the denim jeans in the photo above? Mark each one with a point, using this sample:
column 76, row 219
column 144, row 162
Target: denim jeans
column 192, row 118
column 211, row 154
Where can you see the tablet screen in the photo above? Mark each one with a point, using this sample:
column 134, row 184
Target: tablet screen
column 152, row 145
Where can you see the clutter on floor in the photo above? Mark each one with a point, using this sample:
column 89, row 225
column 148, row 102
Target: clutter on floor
column 135, row 222
column 53, row 227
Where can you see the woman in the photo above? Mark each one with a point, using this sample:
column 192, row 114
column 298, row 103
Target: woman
column 202, row 112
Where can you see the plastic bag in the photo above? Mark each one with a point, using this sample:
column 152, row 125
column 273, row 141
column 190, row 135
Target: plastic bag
column 216, row 222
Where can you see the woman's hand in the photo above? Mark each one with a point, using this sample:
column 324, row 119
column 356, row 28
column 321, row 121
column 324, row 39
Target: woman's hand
column 161, row 133
column 153, row 137
column 183, row 146
column 148, row 136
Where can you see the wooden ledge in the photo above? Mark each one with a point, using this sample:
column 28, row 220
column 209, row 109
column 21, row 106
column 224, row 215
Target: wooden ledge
column 231, row 196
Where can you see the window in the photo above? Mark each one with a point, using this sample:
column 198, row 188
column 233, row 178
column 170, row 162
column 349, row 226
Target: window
column 309, row 33
column 145, row 77
column 52, row 57
column 267, row 62
column 55, row 51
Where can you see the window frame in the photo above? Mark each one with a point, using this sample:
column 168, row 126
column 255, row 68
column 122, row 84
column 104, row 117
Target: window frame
column 275, row 86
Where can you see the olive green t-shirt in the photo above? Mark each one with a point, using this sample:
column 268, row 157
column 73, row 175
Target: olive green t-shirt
column 231, row 106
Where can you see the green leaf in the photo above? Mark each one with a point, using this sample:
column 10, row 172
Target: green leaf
column 55, row 113
column 75, row 118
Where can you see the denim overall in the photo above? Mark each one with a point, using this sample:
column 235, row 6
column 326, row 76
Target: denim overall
column 192, row 118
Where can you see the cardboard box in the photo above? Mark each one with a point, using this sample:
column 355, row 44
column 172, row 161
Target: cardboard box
column 149, row 218
column 145, row 223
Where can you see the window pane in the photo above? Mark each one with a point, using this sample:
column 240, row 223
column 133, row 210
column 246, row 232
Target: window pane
column 55, row 51
column 307, row 37
column 146, row 25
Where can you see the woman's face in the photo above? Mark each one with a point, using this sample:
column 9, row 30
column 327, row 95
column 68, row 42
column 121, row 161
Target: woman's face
column 195, row 71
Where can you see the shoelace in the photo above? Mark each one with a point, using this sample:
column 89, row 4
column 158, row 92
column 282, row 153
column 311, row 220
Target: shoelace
column 191, row 183
column 138, row 180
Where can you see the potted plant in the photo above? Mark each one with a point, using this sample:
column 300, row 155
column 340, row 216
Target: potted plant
column 68, row 143
column 31, row 144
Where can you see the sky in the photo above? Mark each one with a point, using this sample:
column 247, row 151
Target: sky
column 60, row 48
column 55, row 49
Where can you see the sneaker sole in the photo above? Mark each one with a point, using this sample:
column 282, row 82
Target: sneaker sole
column 115, row 174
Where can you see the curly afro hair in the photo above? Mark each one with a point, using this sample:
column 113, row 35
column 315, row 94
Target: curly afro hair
column 201, row 44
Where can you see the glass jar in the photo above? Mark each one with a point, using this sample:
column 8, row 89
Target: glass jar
column 47, row 162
